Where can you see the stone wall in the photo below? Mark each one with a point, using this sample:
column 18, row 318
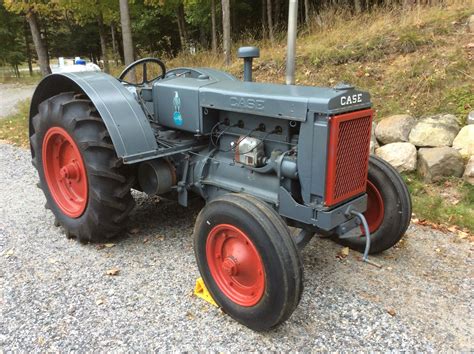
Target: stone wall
column 435, row 146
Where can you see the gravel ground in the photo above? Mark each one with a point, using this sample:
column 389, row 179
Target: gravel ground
column 10, row 94
column 55, row 294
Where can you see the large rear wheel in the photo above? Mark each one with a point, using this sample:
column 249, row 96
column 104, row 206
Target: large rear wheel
column 86, row 186
column 388, row 211
column 248, row 260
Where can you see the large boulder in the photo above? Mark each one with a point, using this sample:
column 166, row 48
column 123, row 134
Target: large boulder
column 402, row 156
column 435, row 163
column 464, row 141
column 394, row 128
column 470, row 117
column 439, row 130
column 469, row 171
column 470, row 24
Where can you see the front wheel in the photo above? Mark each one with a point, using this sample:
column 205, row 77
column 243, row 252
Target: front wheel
column 248, row 260
column 388, row 211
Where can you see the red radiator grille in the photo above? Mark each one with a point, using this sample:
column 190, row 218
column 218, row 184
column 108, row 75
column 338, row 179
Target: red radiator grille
column 348, row 155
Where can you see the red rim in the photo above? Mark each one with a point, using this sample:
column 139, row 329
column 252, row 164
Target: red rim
column 65, row 172
column 375, row 208
column 235, row 265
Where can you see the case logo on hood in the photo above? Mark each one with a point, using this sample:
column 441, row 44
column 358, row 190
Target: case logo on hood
column 352, row 99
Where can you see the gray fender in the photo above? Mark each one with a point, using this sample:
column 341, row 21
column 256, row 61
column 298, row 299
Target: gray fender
column 125, row 120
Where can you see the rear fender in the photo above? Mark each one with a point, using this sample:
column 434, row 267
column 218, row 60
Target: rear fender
column 129, row 129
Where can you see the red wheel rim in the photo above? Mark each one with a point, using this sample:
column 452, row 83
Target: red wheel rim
column 65, row 172
column 235, row 265
column 375, row 209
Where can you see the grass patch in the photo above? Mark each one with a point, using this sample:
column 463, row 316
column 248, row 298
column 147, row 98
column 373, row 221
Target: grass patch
column 14, row 128
column 448, row 202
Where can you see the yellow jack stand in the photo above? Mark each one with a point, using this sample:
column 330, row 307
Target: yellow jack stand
column 201, row 291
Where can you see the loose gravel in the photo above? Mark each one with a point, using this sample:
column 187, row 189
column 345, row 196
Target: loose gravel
column 11, row 94
column 55, row 293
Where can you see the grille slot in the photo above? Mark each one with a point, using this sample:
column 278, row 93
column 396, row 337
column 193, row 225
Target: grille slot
column 348, row 155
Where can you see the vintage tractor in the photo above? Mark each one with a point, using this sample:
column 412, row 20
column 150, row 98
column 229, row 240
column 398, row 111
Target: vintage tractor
column 264, row 157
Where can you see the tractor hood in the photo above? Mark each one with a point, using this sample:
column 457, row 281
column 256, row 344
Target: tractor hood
column 281, row 101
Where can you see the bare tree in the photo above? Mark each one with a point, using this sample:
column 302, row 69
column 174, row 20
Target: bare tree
column 40, row 46
column 183, row 36
column 126, row 32
column 226, row 30
column 270, row 21
column 103, row 42
column 214, row 27
column 306, row 12
column 264, row 18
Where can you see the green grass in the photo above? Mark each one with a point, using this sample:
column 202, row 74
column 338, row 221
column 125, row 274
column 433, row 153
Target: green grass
column 14, row 128
column 449, row 202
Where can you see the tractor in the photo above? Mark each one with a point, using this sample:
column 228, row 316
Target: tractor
column 264, row 157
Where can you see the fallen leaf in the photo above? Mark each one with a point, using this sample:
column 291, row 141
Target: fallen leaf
column 343, row 253
column 10, row 252
column 134, row 231
column 52, row 261
column 99, row 302
column 113, row 271
column 391, row 312
column 438, row 250
column 145, row 240
column 109, row 245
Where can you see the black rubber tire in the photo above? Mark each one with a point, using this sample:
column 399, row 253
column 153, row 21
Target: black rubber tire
column 109, row 200
column 397, row 205
column 278, row 251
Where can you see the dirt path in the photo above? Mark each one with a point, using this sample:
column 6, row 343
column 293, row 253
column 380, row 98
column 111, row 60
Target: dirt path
column 11, row 94
column 55, row 294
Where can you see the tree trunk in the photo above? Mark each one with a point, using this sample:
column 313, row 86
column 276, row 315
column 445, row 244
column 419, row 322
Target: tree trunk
column 182, row 27
column 226, row 30
column 306, row 12
column 126, row 32
column 28, row 49
column 358, row 6
column 214, row 27
column 114, row 43
column 264, row 19
column 270, row 21
column 103, row 42
column 40, row 47
column 276, row 14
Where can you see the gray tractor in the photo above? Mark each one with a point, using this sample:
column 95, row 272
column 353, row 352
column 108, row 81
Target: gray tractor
column 264, row 157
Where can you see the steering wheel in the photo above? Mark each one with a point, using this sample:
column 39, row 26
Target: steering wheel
column 143, row 62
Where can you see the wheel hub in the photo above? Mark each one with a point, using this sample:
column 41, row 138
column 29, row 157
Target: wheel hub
column 235, row 265
column 230, row 266
column 65, row 172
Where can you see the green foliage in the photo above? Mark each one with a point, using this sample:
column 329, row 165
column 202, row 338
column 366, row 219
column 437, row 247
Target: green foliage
column 449, row 201
column 460, row 101
column 12, row 42
column 14, row 128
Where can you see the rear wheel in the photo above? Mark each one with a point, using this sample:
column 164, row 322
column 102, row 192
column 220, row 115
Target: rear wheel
column 248, row 260
column 388, row 211
column 86, row 186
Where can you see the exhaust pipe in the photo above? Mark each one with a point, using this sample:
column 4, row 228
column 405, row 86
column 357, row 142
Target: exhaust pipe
column 291, row 46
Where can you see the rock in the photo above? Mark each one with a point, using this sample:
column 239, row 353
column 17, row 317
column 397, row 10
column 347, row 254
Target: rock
column 402, row 156
column 439, row 130
column 464, row 141
column 394, row 128
column 435, row 163
column 469, row 171
column 470, row 118
column 470, row 24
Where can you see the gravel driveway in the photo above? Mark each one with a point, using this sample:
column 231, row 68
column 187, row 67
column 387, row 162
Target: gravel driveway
column 55, row 294
column 11, row 94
